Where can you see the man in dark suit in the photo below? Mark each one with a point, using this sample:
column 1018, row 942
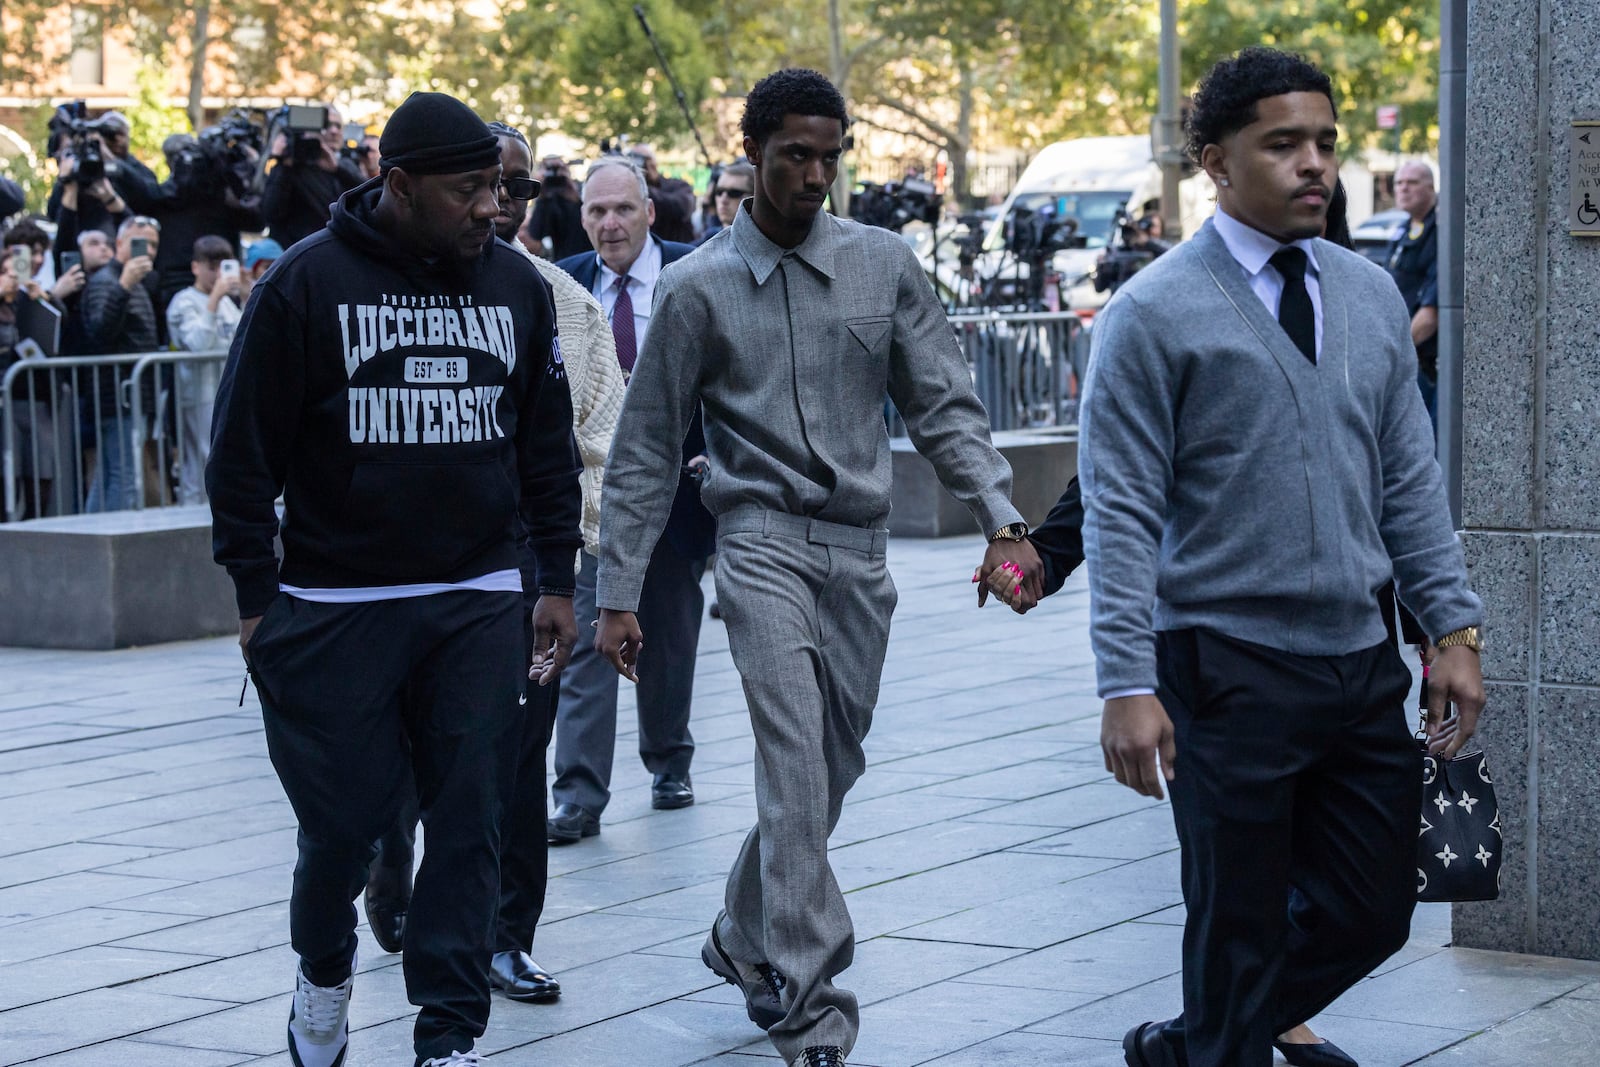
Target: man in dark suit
column 622, row 273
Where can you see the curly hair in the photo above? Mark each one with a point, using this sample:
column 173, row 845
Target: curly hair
column 794, row 91
column 1226, row 99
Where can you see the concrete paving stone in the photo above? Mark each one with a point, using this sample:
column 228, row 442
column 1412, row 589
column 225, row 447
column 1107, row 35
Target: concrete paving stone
column 1561, row 1032
column 240, row 979
column 1130, row 836
column 80, row 970
column 181, row 733
column 668, row 829
column 610, row 988
column 185, row 802
column 72, row 892
column 692, row 903
column 65, row 776
column 979, row 880
column 1110, row 1017
column 175, row 757
column 45, row 863
column 1104, row 962
column 1024, row 781
column 1376, row 1043
column 676, row 1032
column 1031, row 1050
column 870, row 818
column 98, row 1015
column 1075, row 908
column 1588, row 992
column 222, row 935
column 215, row 860
column 975, row 757
column 1070, row 808
column 660, row 872
column 599, row 935
column 51, row 734
column 923, row 849
column 133, row 1053
column 1467, row 989
column 78, row 929
column 210, row 828
column 947, row 1016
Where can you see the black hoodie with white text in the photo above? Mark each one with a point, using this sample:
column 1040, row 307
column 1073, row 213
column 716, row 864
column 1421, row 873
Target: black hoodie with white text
column 414, row 414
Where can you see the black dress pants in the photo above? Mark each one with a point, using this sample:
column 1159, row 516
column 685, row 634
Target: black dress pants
column 359, row 701
column 1297, row 780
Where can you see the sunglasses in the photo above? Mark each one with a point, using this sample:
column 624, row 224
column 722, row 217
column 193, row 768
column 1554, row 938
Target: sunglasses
column 520, row 188
column 146, row 220
column 737, row 194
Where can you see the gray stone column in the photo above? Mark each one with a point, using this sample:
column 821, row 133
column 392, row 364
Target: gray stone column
column 1531, row 466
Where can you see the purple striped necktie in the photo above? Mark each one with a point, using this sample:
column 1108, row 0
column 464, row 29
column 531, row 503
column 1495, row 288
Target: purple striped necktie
column 622, row 326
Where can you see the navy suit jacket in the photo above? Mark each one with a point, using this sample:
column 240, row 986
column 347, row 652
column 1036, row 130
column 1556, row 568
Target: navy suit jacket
column 691, row 529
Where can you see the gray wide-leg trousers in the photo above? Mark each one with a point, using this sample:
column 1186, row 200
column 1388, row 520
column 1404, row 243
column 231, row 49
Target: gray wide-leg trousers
column 807, row 604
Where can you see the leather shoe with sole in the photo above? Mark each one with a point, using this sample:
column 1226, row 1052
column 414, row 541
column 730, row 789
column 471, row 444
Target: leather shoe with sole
column 670, row 792
column 760, row 983
column 821, row 1056
column 386, row 901
column 568, row 823
column 519, row 978
column 1317, row 1054
column 1143, row 1046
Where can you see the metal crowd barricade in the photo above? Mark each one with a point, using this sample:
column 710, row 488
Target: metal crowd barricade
column 54, row 414
column 1027, row 367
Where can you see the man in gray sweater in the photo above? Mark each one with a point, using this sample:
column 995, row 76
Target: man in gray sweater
column 1256, row 463
column 786, row 328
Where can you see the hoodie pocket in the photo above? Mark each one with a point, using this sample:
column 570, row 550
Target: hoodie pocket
column 423, row 521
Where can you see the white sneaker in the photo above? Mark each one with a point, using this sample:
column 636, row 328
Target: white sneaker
column 455, row 1059
column 319, row 1021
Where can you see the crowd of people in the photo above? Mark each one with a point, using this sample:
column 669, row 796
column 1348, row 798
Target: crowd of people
column 99, row 272
column 510, row 419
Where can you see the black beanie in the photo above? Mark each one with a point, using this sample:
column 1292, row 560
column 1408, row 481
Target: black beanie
column 432, row 133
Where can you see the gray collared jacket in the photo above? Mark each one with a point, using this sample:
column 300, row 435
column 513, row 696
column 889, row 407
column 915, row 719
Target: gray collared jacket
column 790, row 353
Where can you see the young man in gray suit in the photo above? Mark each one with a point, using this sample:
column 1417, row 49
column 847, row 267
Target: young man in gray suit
column 786, row 328
column 1256, row 464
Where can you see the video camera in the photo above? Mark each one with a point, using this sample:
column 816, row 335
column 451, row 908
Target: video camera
column 71, row 124
column 1035, row 234
column 302, row 127
column 892, row 205
column 225, row 156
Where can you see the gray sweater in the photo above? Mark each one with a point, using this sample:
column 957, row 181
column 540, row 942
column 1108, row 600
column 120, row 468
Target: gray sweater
column 1231, row 484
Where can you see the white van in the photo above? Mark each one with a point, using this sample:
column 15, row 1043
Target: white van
column 1091, row 179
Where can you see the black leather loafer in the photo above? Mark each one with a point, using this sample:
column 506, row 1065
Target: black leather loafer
column 668, row 792
column 386, row 901
column 568, row 823
column 1320, row 1054
column 1143, row 1046
column 519, row 978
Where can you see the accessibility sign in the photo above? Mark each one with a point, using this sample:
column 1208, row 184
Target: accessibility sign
column 1583, row 211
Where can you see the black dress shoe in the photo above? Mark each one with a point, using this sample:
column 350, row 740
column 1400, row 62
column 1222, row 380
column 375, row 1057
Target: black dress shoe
column 669, row 792
column 821, row 1056
column 568, row 823
column 519, row 978
column 1143, row 1046
column 1320, row 1054
column 387, row 899
column 760, row 983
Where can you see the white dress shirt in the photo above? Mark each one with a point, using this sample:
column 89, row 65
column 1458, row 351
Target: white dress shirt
column 1252, row 248
column 641, row 287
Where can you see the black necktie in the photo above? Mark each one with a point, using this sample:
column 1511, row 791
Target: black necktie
column 1294, row 309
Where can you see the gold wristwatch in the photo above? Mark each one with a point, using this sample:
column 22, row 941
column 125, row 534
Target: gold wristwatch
column 1015, row 531
column 1466, row 637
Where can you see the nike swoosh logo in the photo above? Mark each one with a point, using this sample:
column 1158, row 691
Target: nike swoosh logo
column 522, row 699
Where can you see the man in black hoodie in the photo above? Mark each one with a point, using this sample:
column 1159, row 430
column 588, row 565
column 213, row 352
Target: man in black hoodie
column 397, row 378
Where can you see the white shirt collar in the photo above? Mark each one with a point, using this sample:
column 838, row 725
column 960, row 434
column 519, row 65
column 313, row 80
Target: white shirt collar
column 644, row 271
column 1252, row 248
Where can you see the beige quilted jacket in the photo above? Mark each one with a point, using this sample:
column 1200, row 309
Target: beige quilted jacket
column 595, row 378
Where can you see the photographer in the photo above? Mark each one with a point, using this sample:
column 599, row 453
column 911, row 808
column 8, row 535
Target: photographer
column 207, row 196
column 1135, row 246
column 308, row 177
column 557, row 215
